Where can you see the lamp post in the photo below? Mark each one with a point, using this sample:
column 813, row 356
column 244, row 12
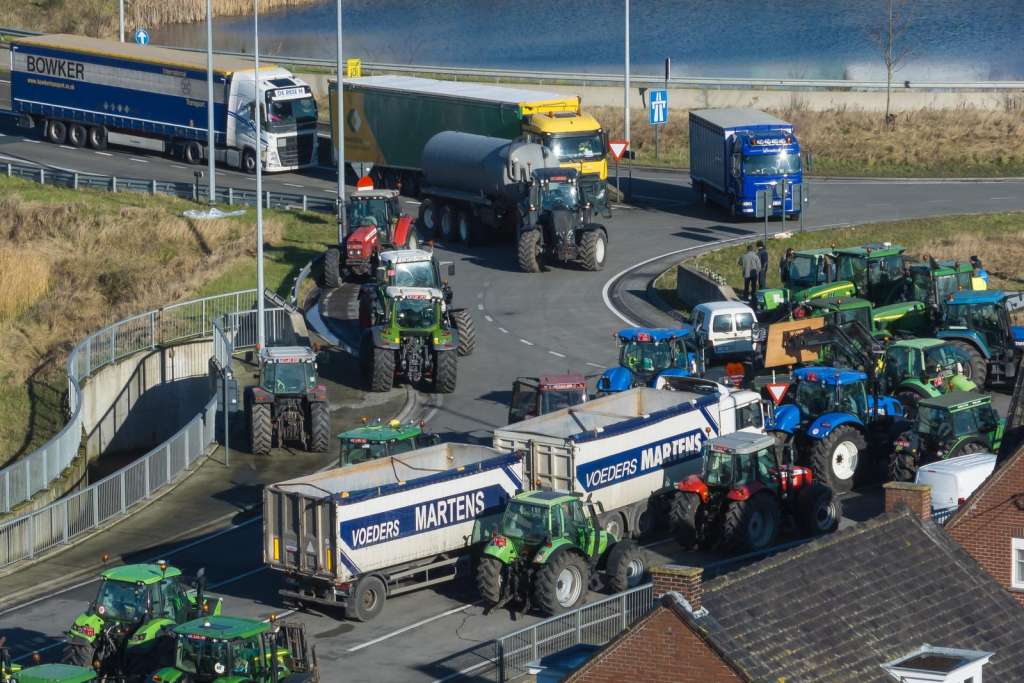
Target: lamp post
column 260, row 332
column 625, row 90
column 120, row 17
column 339, row 107
column 211, row 134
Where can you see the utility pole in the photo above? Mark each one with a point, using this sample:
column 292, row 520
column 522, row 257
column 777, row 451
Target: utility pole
column 626, row 88
column 340, row 108
column 120, row 17
column 211, row 134
column 260, row 332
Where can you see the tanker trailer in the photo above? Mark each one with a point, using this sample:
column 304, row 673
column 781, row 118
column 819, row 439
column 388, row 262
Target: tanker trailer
column 477, row 187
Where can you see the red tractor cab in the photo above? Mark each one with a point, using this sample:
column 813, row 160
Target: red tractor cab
column 375, row 223
column 534, row 396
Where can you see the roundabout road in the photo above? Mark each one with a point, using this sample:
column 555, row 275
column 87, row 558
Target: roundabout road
column 526, row 325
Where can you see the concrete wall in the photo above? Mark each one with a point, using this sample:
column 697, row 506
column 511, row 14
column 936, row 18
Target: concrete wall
column 694, row 287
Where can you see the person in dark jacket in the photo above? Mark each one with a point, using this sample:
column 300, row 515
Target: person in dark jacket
column 762, row 273
column 784, row 262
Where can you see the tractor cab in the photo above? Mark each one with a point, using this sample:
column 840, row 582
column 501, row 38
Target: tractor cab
column 415, row 309
column 953, row 424
column 558, row 188
column 534, row 396
column 368, row 206
column 933, row 282
column 287, row 370
column 744, row 459
column 375, row 222
column 914, row 369
column 841, row 311
column 986, row 325
column 646, row 353
column 818, row 390
column 876, row 271
column 882, row 321
column 412, row 268
column 370, row 442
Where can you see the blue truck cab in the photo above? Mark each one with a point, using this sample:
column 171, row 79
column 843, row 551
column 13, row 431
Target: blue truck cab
column 645, row 354
column 736, row 152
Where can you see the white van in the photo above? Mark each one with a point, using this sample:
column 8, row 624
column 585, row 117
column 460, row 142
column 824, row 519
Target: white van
column 725, row 328
column 954, row 480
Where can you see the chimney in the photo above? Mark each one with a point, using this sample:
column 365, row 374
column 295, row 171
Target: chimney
column 917, row 497
column 687, row 581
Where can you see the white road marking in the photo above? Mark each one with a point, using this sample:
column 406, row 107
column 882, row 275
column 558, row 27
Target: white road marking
column 556, row 353
column 68, row 147
column 3, row 135
column 503, row 330
column 410, row 627
column 1001, row 198
column 34, row 142
column 108, row 154
column 292, row 185
column 141, row 161
column 596, row 365
column 939, row 201
column 530, row 343
column 479, row 307
column 178, row 166
column 488, row 318
column 467, row 670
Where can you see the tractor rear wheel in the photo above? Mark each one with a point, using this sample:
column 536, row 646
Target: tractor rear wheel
column 561, row 583
column 261, row 429
column 77, row 653
column 467, row 331
column 528, row 251
column 682, row 517
column 445, row 370
column 332, row 269
column 750, row 525
column 837, row 459
column 976, row 368
column 626, row 567
column 490, row 579
column 818, row 510
column 593, row 249
column 378, row 365
column 319, row 427
column 902, row 467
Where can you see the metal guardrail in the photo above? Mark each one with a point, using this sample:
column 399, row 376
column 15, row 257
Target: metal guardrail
column 594, row 624
column 616, row 79
column 940, row 517
column 63, row 521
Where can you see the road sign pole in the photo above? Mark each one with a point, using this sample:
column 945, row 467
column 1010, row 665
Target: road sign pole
column 618, row 191
column 339, row 107
column 120, row 17
column 626, row 81
column 261, row 339
column 210, row 135
column 783, row 184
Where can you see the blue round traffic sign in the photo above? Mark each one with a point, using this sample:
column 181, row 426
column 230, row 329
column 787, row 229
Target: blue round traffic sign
column 142, row 36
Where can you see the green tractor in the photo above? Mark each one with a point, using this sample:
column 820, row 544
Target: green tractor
column 932, row 282
column 917, row 369
column 953, row 424
column 125, row 626
column 289, row 404
column 370, row 442
column 49, row 673
column 811, row 275
column 548, row 553
column 744, row 494
column 220, row 649
column 414, row 339
column 876, row 271
column 883, row 321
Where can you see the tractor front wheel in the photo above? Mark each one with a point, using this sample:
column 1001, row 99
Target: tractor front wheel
column 319, row 427
column 378, row 365
column 77, row 653
column 445, row 369
column 528, row 251
column 467, row 331
column 490, row 579
column 682, row 517
column 750, row 525
column 261, row 429
column 976, row 368
column 837, row 459
column 818, row 510
column 902, row 467
column 561, row 583
column 626, row 567
column 332, row 269
column 593, row 249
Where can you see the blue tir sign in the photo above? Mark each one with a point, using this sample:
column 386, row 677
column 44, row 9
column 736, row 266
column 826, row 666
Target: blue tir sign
column 142, row 36
column 659, row 107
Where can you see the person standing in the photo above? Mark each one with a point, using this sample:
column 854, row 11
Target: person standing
column 762, row 272
column 750, row 264
column 979, row 276
column 784, row 262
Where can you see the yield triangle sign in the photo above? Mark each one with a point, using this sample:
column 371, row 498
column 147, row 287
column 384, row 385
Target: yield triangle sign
column 777, row 391
column 618, row 148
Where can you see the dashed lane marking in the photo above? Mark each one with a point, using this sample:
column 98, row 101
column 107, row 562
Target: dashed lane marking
column 597, row 365
column 141, row 161
column 488, row 318
column 556, row 353
column 479, row 307
column 503, row 330
column 526, row 341
column 108, row 154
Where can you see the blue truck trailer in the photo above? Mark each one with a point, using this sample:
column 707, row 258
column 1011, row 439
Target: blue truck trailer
column 90, row 92
column 736, row 152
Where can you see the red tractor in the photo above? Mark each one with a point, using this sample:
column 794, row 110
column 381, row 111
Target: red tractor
column 745, row 493
column 533, row 396
column 375, row 223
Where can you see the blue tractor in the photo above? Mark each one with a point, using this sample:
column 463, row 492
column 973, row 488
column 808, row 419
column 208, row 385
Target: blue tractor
column 981, row 325
column 834, row 421
column 645, row 354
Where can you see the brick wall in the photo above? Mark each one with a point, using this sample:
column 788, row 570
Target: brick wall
column 990, row 520
column 917, row 497
column 661, row 648
column 687, row 581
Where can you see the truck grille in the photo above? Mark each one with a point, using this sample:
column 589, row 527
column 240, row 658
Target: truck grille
column 296, row 150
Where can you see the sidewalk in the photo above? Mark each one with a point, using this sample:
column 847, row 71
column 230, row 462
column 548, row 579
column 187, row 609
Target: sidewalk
column 211, row 497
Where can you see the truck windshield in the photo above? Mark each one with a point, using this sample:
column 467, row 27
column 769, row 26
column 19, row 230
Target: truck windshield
column 771, row 164
column 647, row 357
column 559, row 195
column 121, row 600
column 361, row 209
column 528, row 522
column 287, row 378
column 290, row 113
column 576, row 147
column 415, row 314
column 415, row 274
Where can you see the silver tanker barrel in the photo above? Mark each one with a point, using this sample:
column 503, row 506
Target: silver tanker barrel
column 480, row 165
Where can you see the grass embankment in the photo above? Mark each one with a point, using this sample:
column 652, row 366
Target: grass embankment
column 998, row 239
column 72, row 262
column 98, row 18
column 925, row 143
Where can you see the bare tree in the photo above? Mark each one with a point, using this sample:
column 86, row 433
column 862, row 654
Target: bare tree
column 888, row 35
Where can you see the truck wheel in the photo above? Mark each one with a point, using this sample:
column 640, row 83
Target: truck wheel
column 332, row 269
column 626, row 567
column 192, row 152
column 592, row 250
column 378, row 365
column 837, row 459
column 428, row 217
column 909, row 400
column 77, row 653
column 249, row 161
column 465, row 225
column 614, row 524
column 976, row 368
column 56, row 131
column 561, row 583
column 319, row 427
column 818, row 510
column 98, row 137
column 467, row 331
column 491, row 576
column 261, row 429
column 445, row 369
column 682, row 517
column 367, row 599
column 750, row 525
column 77, row 135
column 902, row 467
column 447, row 224
column 528, row 251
